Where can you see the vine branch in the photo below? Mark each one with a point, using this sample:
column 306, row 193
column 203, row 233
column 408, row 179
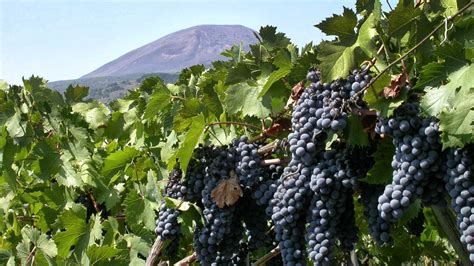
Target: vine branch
column 460, row 11
column 154, row 252
column 187, row 261
column 233, row 123
column 273, row 253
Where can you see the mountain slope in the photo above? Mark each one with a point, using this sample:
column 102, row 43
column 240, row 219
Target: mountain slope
column 171, row 53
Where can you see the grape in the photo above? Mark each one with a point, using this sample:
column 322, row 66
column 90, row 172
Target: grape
column 459, row 184
column 417, row 158
column 347, row 230
column 379, row 229
column 196, row 172
column 318, row 113
column 248, row 168
column 332, row 182
column 167, row 226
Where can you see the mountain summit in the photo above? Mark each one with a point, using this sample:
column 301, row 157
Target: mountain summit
column 173, row 52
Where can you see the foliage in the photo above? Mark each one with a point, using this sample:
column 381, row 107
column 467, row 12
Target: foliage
column 55, row 148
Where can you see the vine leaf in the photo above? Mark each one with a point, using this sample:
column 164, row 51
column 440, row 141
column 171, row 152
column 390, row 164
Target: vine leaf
column 401, row 18
column 452, row 58
column 158, row 101
column 77, row 232
column 457, row 124
column 451, row 94
column 396, row 85
column 244, row 98
column 75, row 94
column 356, row 136
column 227, row 192
column 191, row 139
column 95, row 113
column 118, row 160
column 374, row 97
column 380, row 173
column 338, row 59
column 102, row 254
column 340, row 25
column 45, row 249
column 139, row 210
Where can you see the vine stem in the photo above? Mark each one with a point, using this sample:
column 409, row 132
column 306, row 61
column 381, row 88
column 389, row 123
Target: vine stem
column 233, row 123
column 460, row 11
column 278, row 161
column 154, row 252
column 447, row 221
column 187, row 261
column 273, row 253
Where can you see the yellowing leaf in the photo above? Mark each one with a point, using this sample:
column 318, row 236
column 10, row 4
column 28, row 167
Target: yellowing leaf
column 227, row 192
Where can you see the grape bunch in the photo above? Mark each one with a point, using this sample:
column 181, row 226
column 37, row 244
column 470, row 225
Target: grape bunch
column 167, row 226
column 195, row 173
column 219, row 222
column 248, row 167
column 417, row 158
column 460, row 187
column 379, row 229
column 332, row 182
column 319, row 112
column 264, row 191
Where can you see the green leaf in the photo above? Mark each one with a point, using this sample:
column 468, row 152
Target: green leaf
column 244, row 98
column 356, row 136
column 272, row 39
column 77, row 232
column 187, row 146
column 451, row 59
column 338, row 60
column 139, row 210
column 101, row 253
column 274, row 77
column 457, row 124
column 119, row 159
column 74, row 94
column 158, row 101
column 401, row 18
column 240, row 72
column 95, row 113
column 340, row 25
column 381, row 171
column 33, row 238
column 376, row 101
column 411, row 213
column 451, row 94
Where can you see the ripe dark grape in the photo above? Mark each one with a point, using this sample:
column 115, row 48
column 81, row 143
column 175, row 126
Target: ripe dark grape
column 319, row 112
column 347, row 230
column 248, row 168
column 196, row 172
column 331, row 181
column 416, row 159
column 167, row 217
column 167, row 226
column 379, row 229
column 460, row 187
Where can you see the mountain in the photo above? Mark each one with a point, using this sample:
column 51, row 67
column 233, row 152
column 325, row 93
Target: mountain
column 196, row 45
column 109, row 88
column 164, row 57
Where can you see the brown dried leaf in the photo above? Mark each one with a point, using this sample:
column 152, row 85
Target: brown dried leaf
column 227, row 192
column 296, row 92
column 396, row 85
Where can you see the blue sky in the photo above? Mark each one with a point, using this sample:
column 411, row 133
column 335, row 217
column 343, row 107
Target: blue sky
column 67, row 39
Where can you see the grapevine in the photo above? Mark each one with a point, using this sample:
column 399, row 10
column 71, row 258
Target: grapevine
column 356, row 149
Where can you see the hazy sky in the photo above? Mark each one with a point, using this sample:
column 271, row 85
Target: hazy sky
column 67, row 39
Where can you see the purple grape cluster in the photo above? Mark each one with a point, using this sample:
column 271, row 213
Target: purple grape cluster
column 460, row 187
column 417, row 159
